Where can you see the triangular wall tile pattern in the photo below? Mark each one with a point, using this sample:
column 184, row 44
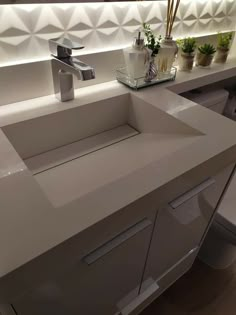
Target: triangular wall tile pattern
column 25, row 29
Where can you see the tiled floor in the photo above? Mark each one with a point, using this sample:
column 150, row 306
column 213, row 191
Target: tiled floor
column 202, row 291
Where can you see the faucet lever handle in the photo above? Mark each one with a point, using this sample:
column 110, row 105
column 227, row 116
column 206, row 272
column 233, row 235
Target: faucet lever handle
column 61, row 47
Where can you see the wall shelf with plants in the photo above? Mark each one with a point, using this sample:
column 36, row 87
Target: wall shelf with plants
column 162, row 52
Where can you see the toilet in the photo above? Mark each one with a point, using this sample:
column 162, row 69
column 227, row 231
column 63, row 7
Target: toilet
column 219, row 247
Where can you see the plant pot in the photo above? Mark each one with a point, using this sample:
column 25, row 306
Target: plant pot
column 186, row 61
column 221, row 55
column 204, row 60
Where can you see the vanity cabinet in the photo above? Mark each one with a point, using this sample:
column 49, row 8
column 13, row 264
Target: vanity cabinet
column 105, row 274
column 121, row 264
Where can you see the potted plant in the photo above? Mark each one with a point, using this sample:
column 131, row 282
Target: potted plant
column 153, row 44
column 223, row 47
column 205, row 55
column 187, row 53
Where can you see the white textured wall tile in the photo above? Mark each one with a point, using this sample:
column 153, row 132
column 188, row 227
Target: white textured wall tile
column 25, row 29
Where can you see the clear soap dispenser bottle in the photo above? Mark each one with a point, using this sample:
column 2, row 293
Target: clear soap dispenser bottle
column 136, row 58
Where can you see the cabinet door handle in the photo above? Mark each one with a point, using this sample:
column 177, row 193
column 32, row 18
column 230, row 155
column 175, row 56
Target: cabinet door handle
column 191, row 193
column 116, row 241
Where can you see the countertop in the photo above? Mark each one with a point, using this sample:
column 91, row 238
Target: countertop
column 31, row 224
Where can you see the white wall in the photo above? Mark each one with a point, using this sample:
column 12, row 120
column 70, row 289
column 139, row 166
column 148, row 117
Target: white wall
column 25, row 30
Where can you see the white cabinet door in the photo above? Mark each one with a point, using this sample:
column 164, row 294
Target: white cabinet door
column 103, row 277
column 180, row 227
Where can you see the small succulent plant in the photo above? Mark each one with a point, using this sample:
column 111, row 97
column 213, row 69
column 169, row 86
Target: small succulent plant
column 207, row 49
column 152, row 42
column 187, row 45
column 224, row 40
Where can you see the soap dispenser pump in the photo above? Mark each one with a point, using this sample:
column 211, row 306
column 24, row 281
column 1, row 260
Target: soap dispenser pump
column 136, row 58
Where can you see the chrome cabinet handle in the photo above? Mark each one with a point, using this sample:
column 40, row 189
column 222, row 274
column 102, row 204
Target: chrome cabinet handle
column 61, row 47
column 191, row 193
column 116, row 241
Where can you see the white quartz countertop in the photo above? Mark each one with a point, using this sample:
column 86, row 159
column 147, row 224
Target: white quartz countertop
column 31, row 223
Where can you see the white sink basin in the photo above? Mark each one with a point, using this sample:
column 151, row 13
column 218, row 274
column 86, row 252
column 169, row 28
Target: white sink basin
column 75, row 151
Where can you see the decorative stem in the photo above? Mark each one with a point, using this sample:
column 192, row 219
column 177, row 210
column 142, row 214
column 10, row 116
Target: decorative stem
column 167, row 17
column 174, row 16
column 172, row 9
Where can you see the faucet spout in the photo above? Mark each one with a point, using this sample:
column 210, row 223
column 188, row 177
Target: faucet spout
column 86, row 72
column 75, row 66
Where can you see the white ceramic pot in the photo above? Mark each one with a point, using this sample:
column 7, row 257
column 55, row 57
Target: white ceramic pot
column 221, row 55
column 204, row 60
column 186, row 61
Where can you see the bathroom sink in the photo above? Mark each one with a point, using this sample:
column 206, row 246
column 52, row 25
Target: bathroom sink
column 74, row 151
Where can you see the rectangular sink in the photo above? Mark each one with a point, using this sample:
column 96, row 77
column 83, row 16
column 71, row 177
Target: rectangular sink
column 78, row 150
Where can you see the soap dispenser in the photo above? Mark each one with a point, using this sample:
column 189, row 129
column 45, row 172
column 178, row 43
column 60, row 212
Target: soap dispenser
column 136, row 58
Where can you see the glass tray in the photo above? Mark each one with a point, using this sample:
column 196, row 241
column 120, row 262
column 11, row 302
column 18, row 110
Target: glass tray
column 138, row 83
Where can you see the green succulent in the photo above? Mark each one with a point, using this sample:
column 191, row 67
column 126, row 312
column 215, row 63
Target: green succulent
column 187, row 45
column 207, row 49
column 152, row 42
column 224, row 40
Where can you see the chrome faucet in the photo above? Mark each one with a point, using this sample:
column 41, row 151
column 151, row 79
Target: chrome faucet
column 64, row 66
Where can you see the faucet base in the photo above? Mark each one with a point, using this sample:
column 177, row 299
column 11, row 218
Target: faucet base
column 66, row 89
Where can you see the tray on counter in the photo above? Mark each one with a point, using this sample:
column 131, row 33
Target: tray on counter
column 138, row 83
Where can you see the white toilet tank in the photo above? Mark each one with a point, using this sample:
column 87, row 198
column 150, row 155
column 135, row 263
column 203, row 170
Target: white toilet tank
column 213, row 99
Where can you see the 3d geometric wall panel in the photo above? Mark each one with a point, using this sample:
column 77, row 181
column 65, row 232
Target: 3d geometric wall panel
column 25, row 29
